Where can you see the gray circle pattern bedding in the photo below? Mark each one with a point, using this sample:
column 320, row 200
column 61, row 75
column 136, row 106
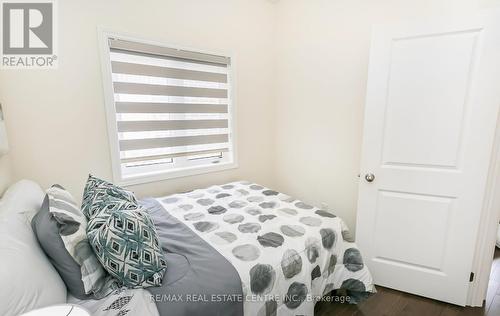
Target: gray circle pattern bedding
column 287, row 253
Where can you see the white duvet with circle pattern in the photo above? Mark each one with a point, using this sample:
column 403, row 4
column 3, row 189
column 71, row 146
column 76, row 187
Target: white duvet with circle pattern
column 288, row 253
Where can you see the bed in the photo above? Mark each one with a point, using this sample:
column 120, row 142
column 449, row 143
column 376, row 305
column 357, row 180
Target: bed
column 233, row 249
column 247, row 249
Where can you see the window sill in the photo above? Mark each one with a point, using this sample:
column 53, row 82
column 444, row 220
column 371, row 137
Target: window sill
column 179, row 173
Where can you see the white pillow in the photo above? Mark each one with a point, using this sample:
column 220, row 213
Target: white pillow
column 498, row 237
column 29, row 280
column 22, row 196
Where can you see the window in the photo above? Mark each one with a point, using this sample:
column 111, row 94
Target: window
column 169, row 110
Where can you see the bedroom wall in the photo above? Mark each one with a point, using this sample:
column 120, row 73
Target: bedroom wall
column 322, row 63
column 56, row 118
column 300, row 133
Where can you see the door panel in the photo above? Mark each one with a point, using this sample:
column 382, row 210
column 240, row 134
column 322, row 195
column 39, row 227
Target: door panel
column 418, row 239
column 426, row 98
column 432, row 103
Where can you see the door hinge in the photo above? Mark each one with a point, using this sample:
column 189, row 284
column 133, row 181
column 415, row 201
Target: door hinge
column 471, row 277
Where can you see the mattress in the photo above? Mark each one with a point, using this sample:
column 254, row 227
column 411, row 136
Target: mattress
column 283, row 253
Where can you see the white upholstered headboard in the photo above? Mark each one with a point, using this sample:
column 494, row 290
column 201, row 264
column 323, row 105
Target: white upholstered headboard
column 4, row 144
column 22, row 196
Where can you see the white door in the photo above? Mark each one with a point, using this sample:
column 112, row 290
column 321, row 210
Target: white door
column 431, row 111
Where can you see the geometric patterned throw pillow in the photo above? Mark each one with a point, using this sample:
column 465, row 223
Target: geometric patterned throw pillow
column 101, row 198
column 98, row 193
column 127, row 246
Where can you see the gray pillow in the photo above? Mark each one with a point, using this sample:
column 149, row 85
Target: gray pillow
column 60, row 228
column 47, row 232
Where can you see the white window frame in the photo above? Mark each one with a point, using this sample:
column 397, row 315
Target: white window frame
column 109, row 100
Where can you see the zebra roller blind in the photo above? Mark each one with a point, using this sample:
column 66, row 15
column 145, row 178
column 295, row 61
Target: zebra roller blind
column 172, row 106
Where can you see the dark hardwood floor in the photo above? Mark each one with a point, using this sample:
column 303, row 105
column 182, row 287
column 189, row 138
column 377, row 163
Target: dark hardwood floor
column 389, row 302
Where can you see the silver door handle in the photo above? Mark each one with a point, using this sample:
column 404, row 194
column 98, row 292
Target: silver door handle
column 369, row 177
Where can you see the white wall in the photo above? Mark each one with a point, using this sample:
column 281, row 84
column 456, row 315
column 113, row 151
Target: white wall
column 322, row 63
column 56, row 118
column 301, row 82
